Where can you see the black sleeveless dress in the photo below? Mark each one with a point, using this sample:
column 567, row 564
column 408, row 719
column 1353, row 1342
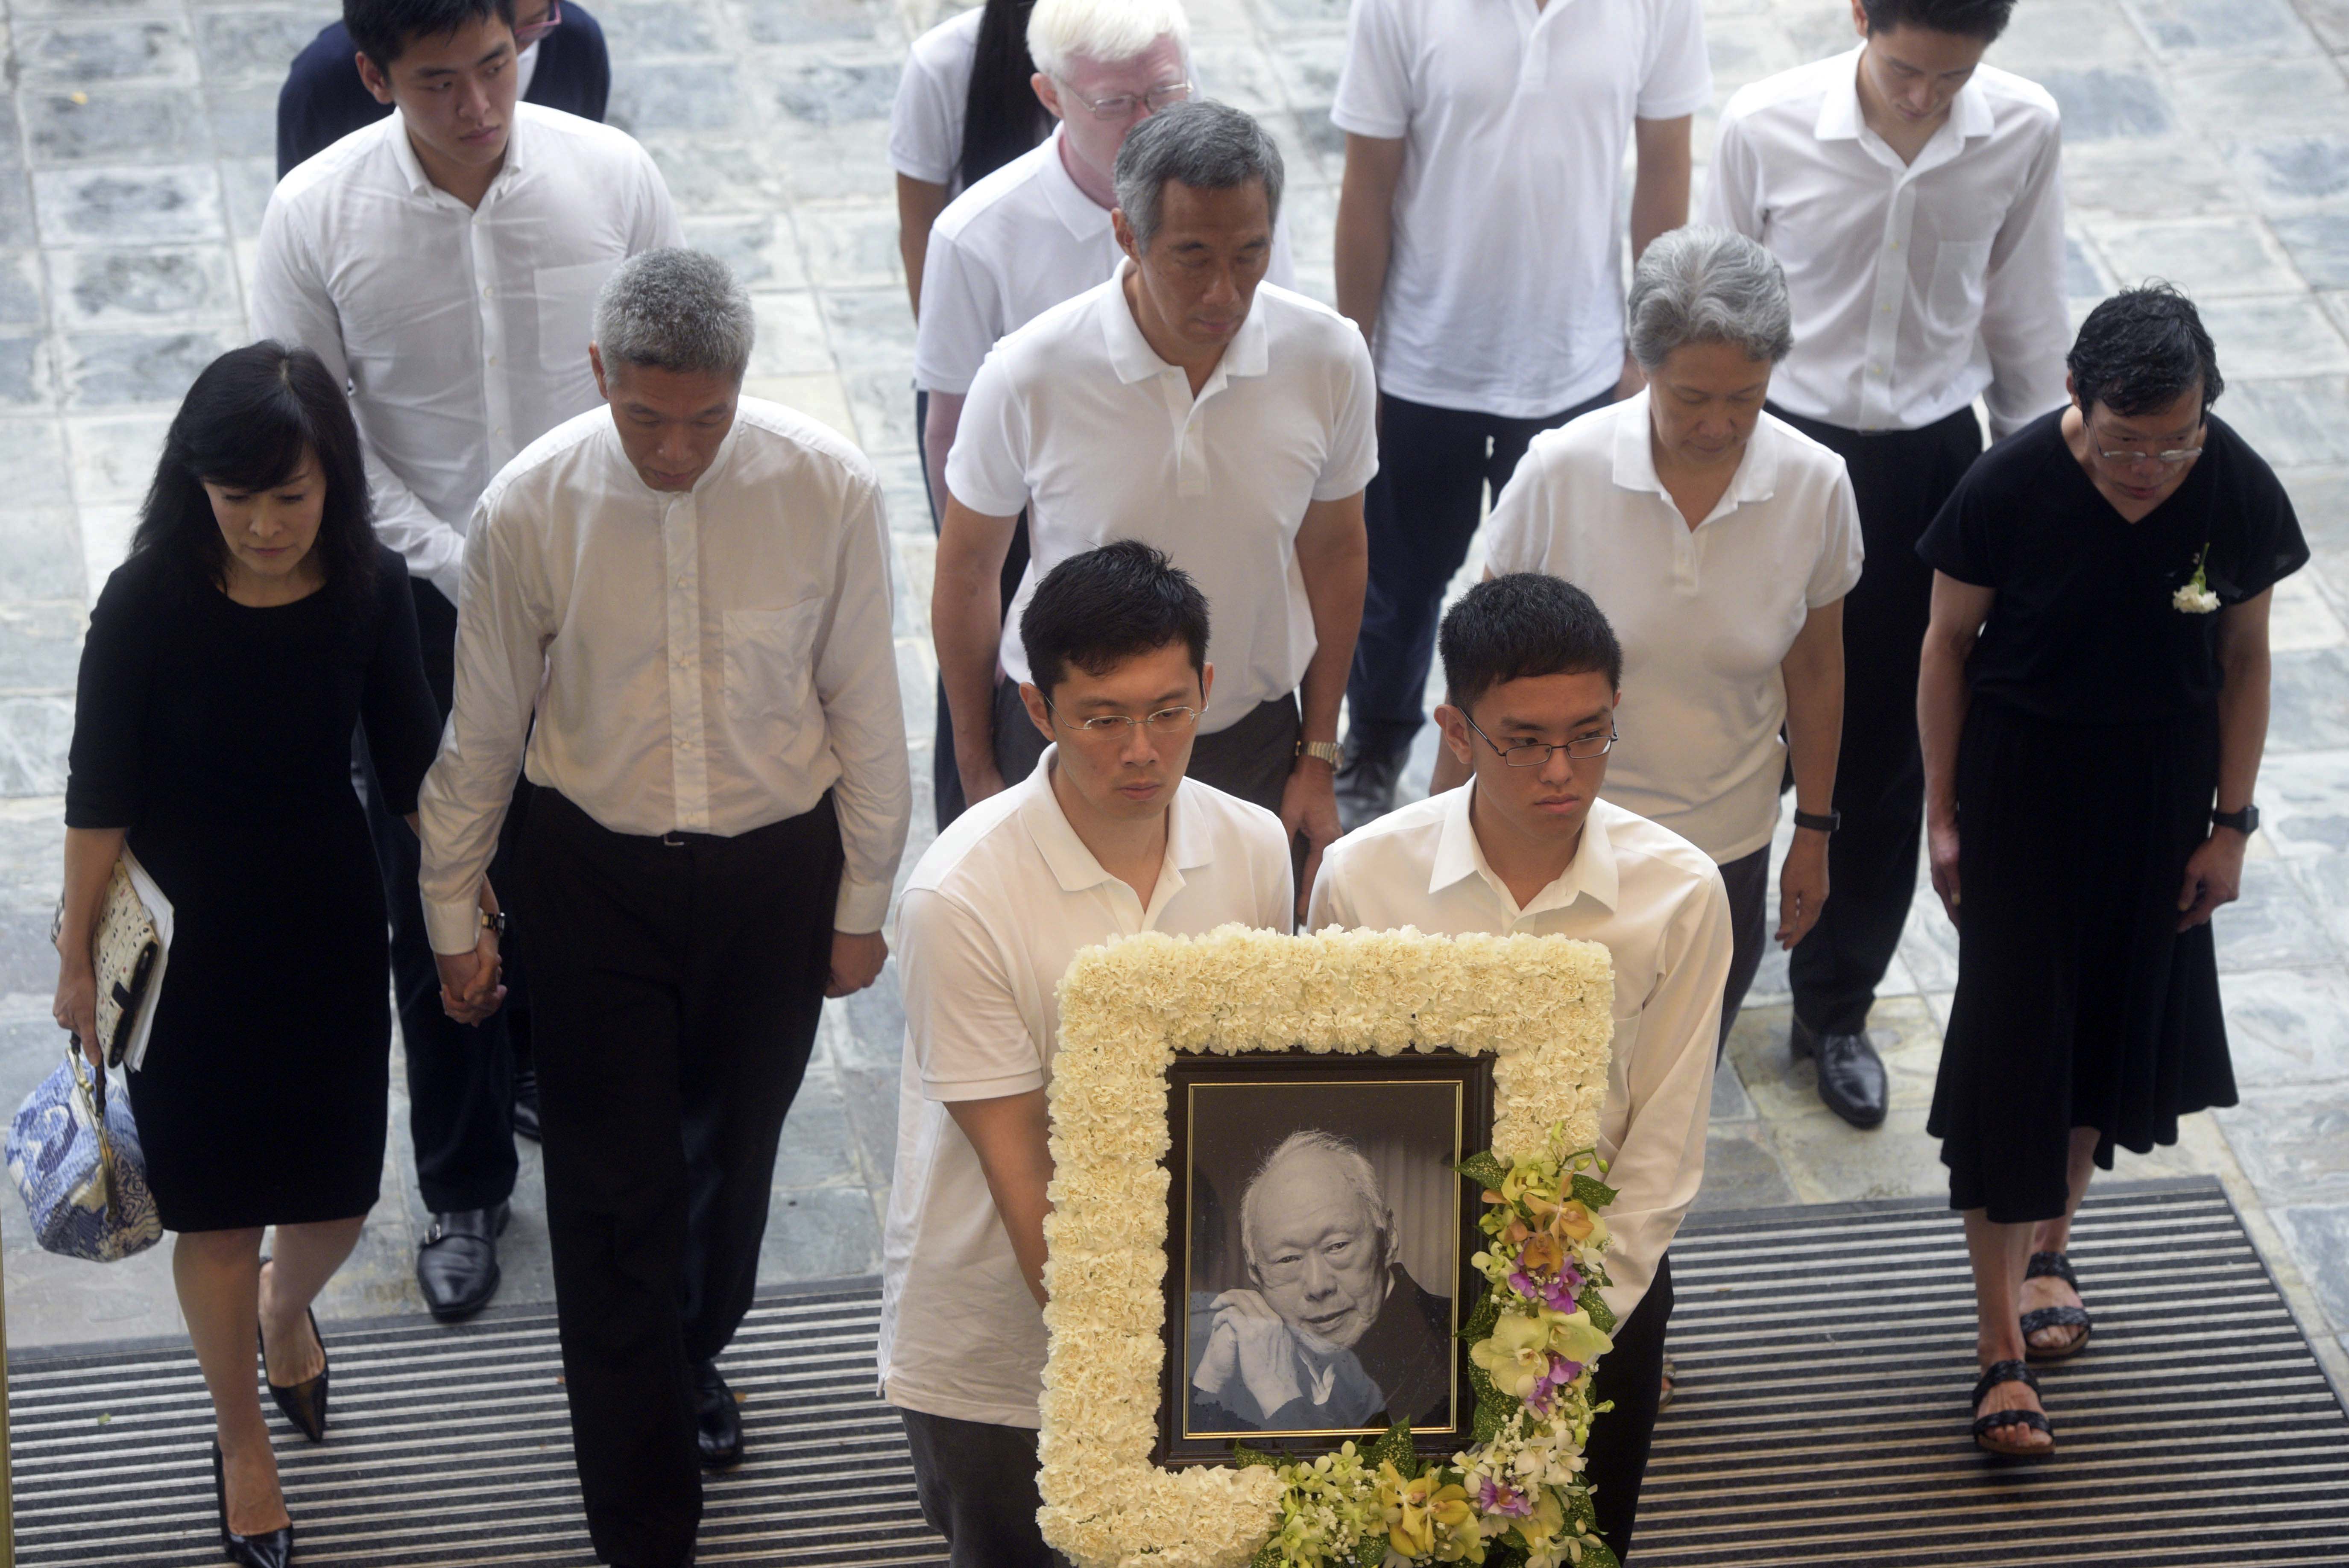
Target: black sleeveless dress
column 220, row 734
column 2087, row 774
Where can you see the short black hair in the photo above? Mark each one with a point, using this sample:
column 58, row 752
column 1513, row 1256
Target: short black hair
column 1521, row 625
column 1095, row 610
column 382, row 29
column 2141, row 350
column 244, row 425
column 1983, row 19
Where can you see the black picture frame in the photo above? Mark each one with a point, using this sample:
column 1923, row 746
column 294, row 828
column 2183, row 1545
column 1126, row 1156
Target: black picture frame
column 1222, row 1109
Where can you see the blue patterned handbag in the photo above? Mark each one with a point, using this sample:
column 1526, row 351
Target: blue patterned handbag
column 76, row 1158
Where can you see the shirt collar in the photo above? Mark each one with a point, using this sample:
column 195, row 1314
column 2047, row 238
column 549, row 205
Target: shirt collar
column 1249, row 353
column 1840, row 119
column 1635, row 459
column 1459, row 856
column 1079, row 213
column 1188, row 841
column 411, row 168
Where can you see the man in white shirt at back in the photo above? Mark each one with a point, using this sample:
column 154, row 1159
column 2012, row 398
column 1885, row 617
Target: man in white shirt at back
column 1914, row 197
column 1186, row 404
column 444, row 262
column 1479, row 247
column 1533, row 672
column 1106, row 837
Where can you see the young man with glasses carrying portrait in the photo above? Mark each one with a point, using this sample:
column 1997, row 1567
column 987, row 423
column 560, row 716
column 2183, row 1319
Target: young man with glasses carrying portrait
column 1106, row 836
column 560, row 63
column 1533, row 677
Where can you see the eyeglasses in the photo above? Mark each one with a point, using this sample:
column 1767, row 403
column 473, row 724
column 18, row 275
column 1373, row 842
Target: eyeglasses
column 1122, row 105
column 1104, row 725
column 2172, row 457
column 530, row 32
column 1537, row 753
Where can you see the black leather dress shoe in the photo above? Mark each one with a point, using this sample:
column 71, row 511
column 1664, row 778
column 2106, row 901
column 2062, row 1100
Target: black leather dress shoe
column 718, row 1417
column 525, row 1101
column 1365, row 785
column 1851, row 1075
column 273, row 1550
column 457, row 1268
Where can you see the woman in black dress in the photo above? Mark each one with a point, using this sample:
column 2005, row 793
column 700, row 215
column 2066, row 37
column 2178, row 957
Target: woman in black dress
column 2094, row 699
column 254, row 623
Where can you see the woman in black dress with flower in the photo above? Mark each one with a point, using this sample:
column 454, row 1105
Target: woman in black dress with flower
column 254, row 623
column 2093, row 701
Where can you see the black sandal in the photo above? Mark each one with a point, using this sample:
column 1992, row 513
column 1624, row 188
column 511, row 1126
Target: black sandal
column 2056, row 1265
column 1986, row 1428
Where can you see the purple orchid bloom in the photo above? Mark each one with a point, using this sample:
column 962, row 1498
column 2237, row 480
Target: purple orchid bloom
column 1492, row 1497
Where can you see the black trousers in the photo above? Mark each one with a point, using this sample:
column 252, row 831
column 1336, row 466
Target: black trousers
column 945, row 779
column 1747, row 882
column 680, row 980
column 977, row 1482
column 459, row 1076
column 1420, row 511
column 1251, row 760
column 1900, row 478
column 1632, row 1375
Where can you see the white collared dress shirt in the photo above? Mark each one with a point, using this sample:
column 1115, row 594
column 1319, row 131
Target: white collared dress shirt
column 1655, row 902
column 461, row 331
column 1917, row 287
column 1504, row 289
column 1008, row 250
column 1076, row 419
column 925, row 118
column 703, row 661
column 1705, row 615
column 993, row 914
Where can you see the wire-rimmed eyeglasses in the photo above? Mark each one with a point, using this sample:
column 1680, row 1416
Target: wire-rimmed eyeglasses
column 1102, row 726
column 529, row 33
column 1537, row 753
column 1120, row 106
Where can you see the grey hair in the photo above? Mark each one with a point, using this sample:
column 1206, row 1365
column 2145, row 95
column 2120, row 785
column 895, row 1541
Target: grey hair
column 1201, row 143
column 1699, row 284
column 676, row 310
column 1354, row 1172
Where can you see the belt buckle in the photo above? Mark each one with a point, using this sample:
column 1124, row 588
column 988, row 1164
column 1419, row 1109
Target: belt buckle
column 673, row 839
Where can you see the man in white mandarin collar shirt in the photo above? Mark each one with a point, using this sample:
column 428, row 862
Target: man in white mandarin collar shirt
column 1533, row 671
column 1186, row 404
column 1914, row 197
column 443, row 262
column 1106, row 837
column 690, row 591
column 1478, row 246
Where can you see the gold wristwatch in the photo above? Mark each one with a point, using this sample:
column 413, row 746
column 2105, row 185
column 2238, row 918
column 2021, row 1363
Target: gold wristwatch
column 1329, row 751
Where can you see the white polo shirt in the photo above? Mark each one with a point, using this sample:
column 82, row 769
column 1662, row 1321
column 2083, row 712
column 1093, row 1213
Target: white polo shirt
column 1076, row 419
column 993, row 914
column 1008, row 250
column 925, row 120
column 1655, row 903
column 1505, row 292
column 1704, row 615
column 1917, row 286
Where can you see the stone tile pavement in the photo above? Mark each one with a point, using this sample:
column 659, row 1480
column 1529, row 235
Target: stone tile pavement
column 2208, row 141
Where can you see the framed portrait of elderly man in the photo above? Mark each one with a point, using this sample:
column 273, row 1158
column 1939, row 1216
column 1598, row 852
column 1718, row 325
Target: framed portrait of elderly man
column 1318, row 1242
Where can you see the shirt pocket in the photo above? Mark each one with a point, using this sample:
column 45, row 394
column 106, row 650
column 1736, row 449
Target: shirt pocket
column 770, row 671
column 1953, row 302
column 566, row 311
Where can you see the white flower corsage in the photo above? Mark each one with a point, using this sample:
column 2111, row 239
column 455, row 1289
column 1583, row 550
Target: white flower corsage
column 2195, row 598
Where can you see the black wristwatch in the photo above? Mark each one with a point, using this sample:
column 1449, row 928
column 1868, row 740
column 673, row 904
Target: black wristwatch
column 2245, row 822
column 1816, row 823
column 496, row 923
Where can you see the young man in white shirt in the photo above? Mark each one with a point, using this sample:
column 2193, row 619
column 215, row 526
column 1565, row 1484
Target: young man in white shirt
column 1534, row 673
column 443, row 262
column 1106, row 837
column 680, row 605
column 1478, row 247
column 1184, row 403
column 1914, row 197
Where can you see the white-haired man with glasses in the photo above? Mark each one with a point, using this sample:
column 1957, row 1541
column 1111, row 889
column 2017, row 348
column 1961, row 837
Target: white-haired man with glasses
column 1106, row 836
column 1534, row 674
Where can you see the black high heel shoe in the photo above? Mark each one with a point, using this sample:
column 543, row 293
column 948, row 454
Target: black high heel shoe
column 303, row 1403
column 274, row 1550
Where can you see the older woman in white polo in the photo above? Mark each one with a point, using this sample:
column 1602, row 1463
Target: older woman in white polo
column 1719, row 541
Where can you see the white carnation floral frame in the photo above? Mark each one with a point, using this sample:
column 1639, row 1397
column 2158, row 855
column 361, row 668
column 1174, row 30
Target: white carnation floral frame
column 1542, row 1007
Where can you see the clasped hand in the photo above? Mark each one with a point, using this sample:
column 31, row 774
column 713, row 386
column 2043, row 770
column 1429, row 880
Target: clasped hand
column 1256, row 1344
column 469, row 982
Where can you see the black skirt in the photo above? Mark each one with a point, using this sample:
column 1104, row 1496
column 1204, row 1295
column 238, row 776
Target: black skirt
column 2079, row 1003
